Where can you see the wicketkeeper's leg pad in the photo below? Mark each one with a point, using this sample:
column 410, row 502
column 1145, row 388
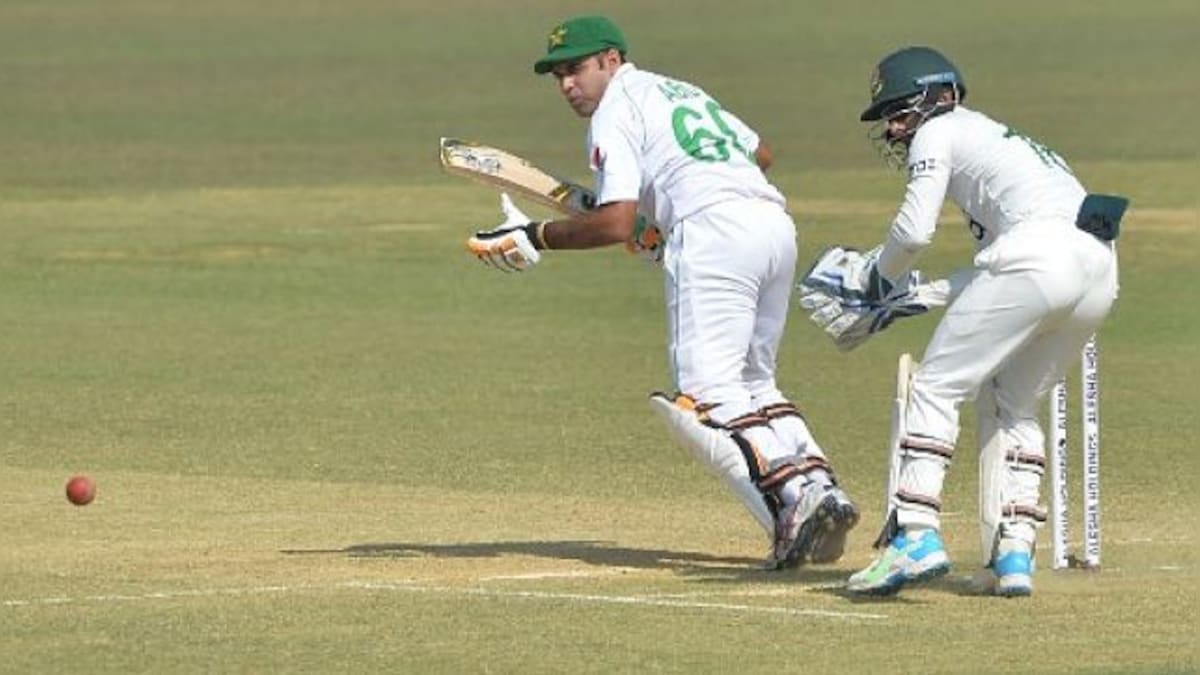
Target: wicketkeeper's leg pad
column 916, row 465
column 922, row 473
column 716, row 448
column 1009, row 479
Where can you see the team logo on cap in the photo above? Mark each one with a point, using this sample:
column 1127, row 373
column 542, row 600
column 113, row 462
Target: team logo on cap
column 557, row 37
column 876, row 82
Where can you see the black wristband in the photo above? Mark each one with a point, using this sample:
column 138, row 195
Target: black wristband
column 535, row 233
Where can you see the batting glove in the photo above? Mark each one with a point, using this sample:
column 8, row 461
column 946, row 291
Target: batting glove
column 647, row 242
column 511, row 246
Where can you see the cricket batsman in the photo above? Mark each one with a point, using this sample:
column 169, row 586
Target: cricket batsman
column 662, row 150
column 1044, row 277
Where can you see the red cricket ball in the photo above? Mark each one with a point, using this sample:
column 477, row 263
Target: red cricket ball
column 81, row 490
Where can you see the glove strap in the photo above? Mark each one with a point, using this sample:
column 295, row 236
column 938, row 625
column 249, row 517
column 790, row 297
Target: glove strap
column 537, row 235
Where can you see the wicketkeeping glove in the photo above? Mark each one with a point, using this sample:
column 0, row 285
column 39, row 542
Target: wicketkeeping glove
column 837, row 291
column 511, row 246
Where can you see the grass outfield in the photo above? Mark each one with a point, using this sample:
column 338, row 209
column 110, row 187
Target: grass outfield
column 233, row 290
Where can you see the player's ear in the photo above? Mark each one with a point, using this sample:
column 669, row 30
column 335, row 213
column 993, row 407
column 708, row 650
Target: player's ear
column 611, row 59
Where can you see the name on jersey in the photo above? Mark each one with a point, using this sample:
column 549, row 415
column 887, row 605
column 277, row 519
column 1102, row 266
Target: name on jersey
column 678, row 91
column 922, row 166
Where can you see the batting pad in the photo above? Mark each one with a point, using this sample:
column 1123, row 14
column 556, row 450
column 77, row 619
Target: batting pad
column 717, row 451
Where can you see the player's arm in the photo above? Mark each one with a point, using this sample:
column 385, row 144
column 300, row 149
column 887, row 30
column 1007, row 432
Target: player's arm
column 913, row 227
column 885, row 273
column 607, row 224
column 916, row 221
column 615, row 162
column 516, row 243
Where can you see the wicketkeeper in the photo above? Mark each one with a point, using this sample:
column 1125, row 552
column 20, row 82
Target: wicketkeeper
column 1044, row 278
column 662, row 150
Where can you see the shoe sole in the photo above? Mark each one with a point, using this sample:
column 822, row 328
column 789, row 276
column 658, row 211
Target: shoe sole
column 807, row 534
column 897, row 581
column 1013, row 590
column 829, row 543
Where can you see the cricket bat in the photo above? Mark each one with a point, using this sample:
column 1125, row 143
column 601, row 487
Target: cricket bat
column 511, row 173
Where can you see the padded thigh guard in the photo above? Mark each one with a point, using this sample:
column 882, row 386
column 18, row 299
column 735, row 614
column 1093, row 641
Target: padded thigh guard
column 717, row 450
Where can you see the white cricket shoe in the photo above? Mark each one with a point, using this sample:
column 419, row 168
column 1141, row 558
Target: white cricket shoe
column 1013, row 567
column 829, row 541
column 797, row 525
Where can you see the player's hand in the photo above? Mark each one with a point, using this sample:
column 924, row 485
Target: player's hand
column 852, row 276
column 513, row 245
column 647, row 241
column 849, row 325
column 835, row 293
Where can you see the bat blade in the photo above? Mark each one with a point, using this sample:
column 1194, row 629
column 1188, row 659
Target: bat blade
column 509, row 172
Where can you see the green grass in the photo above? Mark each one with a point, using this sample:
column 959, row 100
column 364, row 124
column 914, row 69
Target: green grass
column 233, row 289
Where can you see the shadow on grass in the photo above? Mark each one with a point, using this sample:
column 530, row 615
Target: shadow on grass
column 963, row 586
column 600, row 553
column 840, row 591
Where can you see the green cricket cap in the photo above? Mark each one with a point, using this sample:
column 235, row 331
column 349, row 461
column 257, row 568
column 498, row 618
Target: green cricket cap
column 578, row 37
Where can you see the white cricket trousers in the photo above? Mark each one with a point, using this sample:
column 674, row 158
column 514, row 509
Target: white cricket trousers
column 728, row 276
column 1031, row 302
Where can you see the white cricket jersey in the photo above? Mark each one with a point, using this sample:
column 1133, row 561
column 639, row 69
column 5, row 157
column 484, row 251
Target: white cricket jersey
column 669, row 146
column 996, row 175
